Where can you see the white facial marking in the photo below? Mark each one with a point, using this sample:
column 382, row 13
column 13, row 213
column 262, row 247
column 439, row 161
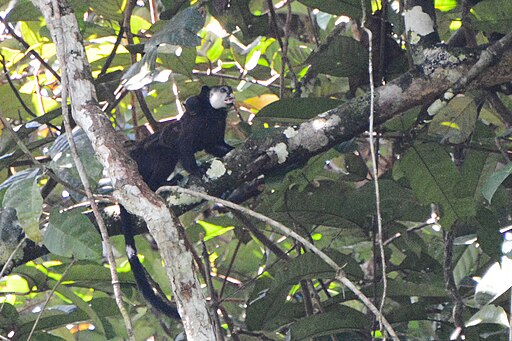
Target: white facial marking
column 221, row 97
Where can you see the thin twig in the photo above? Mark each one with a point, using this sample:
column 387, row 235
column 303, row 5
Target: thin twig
column 230, row 267
column 266, row 83
column 11, row 256
column 83, row 175
column 374, row 168
column 458, row 303
column 340, row 274
column 35, row 161
column 14, row 90
column 213, row 295
column 112, row 54
column 48, row 299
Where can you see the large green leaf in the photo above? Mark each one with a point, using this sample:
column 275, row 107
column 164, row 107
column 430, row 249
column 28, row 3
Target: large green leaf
column 298, row 108
column 268, row 297
column 456, row 121
column 25, row 198
column 489, row 314
column 495, row 180
column 64, row 166
column 351, row 8
column 180, row 30
column 338, row 205
column 435, row 179
column 339, row 319
column 71, row 234
column 493, row 16
column 341, row 56
column 495, row 282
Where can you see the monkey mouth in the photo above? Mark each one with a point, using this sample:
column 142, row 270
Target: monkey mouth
column 229, row 100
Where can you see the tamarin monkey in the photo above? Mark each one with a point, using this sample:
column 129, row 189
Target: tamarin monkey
column 201, row 127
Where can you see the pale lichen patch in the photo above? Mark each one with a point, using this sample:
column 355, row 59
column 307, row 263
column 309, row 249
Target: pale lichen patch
column 290, row 132
column 216, row 170
column 280, row 150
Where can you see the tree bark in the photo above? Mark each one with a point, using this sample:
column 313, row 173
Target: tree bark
column 129, row 187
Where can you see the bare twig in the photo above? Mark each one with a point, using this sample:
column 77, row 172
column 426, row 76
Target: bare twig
column 14, row 90
column 374, row 168
column 282, row 43
column 214, row 298
column 112, row 54
column 11, row 256
column 83, row 175
column 458, row 303
column 35, row 161
column 340, row 274
column 48, row 299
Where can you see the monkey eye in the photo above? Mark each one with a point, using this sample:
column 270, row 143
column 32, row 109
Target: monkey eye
column 223, row 90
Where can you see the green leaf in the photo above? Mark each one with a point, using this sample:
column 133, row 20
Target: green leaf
column 477, row 168
column 71, row 234
column 25, row 198
column 213, row 230
column 489, row 314
column 467, row 263
column 445, row 5
column 298, row 108
column 181, row 30
column 494, row 181
column 337, row 320
column 435, row 179
column 63, row 164
column 351, row 8
column 495, row 282
column 80, row 303
column 341, row 56
column 23, row 10
column 493, row 16
column 456, row 121
column 339, row 205
column 488, row 233
column 108, row 9
column 268, row 298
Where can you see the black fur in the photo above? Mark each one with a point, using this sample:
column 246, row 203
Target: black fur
column 201, row 127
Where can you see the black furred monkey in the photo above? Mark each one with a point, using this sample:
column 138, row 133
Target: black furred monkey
column 201, row 127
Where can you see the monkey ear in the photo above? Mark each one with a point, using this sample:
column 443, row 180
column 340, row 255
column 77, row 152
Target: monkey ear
column 205, row 90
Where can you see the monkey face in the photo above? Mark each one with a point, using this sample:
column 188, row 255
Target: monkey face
column 221, row 97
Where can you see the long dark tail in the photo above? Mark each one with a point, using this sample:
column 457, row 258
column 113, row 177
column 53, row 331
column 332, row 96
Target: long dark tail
column 159, row 302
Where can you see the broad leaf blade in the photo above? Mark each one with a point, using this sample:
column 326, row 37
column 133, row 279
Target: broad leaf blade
column 25, row 198
column 71, row 234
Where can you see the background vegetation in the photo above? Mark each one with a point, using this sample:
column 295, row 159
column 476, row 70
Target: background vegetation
column 444, row 187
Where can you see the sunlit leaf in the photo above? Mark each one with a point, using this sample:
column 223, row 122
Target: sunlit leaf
column 496, row 281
